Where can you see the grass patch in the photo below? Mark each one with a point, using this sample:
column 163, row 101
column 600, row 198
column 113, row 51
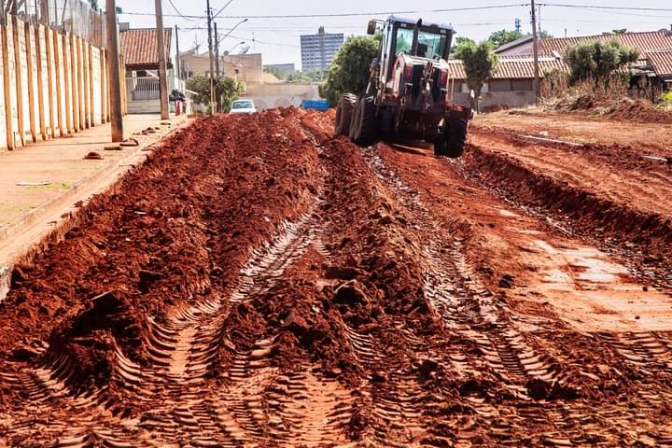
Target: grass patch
column 51, row 187
column 15, row 208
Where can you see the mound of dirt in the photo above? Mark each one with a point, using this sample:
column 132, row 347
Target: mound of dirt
column 638, row 110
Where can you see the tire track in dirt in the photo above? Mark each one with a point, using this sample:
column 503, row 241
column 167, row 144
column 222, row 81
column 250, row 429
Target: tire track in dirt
column 433, row 402
column 629, row 234
column 401, row 397
column 467, row 299
column 627, row 228
column 388, row 410
column 56, row 382
column 544, row 373
column 359, row 318
column 142, row 381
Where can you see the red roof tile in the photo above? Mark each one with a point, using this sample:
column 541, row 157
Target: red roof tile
column 139, row 48
column 661, row 61
column 512, row 68
column 655, row 48
column 644, row 42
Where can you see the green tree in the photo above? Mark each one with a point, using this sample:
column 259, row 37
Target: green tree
column 227, row 90
column 598, row 60
column 350, row 70
column 480, row 63
column 280, row 74
column 499, row 38
column 200, row 85
column 461, row 40
column 94, row 5
column 307, row 77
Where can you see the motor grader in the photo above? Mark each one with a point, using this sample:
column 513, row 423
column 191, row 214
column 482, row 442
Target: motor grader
column 407, row 95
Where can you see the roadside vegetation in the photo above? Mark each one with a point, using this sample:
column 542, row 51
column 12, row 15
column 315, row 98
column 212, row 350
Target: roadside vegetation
column 350, row 69
column 227, row 90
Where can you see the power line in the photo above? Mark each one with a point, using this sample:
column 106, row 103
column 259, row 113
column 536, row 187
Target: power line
column 222, row 9
column 625, row 8
column 264, row 42
column 614, row 10
column 357, row 14
column 178, row 12
column 292, row 30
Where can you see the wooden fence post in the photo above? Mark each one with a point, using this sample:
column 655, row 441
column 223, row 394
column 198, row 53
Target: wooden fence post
column 48, row 37
column 59, row 96
column 80, row 82
column 106, row 88
column 31, row 86
column 75, row 84
column 8, row 105
column 69, row 90
column 122, row 83
column 87, row 81
column 92, row 92
column 40, row 82
column 19, row 79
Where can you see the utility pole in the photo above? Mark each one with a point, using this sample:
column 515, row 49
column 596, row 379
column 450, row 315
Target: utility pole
column 535, row 51
column 213, row 104
column 116, row 117
column 161, row 51
column 177, row 48
column 216, row 51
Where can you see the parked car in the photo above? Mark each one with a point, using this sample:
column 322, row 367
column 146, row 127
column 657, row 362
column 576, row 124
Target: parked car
column 243, row 107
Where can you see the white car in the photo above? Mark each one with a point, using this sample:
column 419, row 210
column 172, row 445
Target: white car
column 243, row 107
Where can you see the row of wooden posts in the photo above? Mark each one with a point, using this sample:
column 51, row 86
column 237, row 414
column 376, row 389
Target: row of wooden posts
column 66, row 81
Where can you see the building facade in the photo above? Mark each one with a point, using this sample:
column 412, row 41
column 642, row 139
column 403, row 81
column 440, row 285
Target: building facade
column 246, row 68
column 318, row 50
column 141, row 65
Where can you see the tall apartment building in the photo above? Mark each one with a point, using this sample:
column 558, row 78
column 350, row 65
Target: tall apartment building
column 318, row 50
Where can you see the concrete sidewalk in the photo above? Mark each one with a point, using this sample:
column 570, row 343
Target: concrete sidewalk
column 43, row 181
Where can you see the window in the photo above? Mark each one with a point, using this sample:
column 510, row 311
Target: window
column 433, row 44
column 242, row 105
column 404, row 41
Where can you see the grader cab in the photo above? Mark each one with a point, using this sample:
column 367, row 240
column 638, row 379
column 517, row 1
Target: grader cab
column 407, row 94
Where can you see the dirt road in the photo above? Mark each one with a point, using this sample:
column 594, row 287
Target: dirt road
column 258, row 283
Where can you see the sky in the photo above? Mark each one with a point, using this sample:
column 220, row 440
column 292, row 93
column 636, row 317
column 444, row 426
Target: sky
column 277, row 37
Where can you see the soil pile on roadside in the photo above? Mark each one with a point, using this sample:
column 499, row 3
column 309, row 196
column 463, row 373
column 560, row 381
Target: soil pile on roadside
column 638, row 110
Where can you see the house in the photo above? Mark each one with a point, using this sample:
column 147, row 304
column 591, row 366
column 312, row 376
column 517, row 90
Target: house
column 557, row 46
column 511, row 86
column 141, row 62
column 247, row 68
column 267, row 91
column 655, row 49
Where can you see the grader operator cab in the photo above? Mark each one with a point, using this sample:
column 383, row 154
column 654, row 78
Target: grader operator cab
column 407, row 93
